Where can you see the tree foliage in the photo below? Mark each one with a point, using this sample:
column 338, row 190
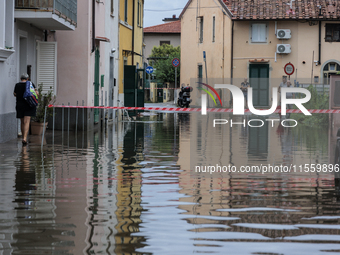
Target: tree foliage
column 165, row 72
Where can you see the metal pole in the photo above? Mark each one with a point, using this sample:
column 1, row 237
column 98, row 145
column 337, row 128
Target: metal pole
column 83, row 116
column 176, row 77
column 62, row 124
column 68, row 120
column 53, row 126
column 77, row 118
column 43, row 136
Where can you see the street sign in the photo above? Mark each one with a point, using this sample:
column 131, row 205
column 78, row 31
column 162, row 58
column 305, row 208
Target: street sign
column 289, row 68
column 204, row 56
column 149, row 70
column 175, row 62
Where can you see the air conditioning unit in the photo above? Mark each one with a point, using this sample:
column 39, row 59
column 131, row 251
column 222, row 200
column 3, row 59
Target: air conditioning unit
column 283, row 34
column 283, row 49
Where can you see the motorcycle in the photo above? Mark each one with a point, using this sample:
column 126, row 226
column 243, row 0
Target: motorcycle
column 184, row 97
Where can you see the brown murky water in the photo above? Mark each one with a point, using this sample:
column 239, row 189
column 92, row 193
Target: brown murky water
column 128, row 189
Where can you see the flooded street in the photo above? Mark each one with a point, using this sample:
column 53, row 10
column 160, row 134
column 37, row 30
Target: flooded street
column 130, row 189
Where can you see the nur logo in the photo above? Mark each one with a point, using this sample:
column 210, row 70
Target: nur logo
column 204, row 98
column 238, row 99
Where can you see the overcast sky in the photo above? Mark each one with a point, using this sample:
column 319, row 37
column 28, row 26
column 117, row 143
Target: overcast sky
column 156, row 10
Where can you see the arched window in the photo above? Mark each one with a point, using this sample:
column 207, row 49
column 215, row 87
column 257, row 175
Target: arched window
column 329, row 69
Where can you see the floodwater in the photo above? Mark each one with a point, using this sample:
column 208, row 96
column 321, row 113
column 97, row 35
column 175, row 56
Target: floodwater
column 129, row 189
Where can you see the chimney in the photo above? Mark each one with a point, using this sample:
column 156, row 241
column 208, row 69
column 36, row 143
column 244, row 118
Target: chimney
column 174, row 16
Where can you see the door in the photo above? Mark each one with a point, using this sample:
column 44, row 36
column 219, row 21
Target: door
column 140, row 87
column 259, row 81
column 130, row 88
column 160, row 92
column 258, row 138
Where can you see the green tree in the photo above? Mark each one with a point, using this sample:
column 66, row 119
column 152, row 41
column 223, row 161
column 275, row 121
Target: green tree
column 165, row 72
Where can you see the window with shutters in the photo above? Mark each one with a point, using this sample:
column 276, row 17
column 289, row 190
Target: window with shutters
column 126, row 11
column 47, row 66
column 6, row 29
column 258, row 33
column 164, row 42
column 201, row 30
column 332, row 33
column 213, row 29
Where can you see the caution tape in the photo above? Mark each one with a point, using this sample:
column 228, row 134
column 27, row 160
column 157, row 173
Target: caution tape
column 161, row 88
column 173, row 109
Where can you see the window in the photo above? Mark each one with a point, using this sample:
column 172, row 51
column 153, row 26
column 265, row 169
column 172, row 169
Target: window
column 200, row 73
column 332, row 33
column 7, row 25
column 126, row 11
column 138, row 14
column 201, row 30
column 259, row 33
column 213, row 31
column 164, row 42
column 328, row 70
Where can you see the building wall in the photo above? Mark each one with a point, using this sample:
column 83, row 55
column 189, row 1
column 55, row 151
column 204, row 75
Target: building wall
column 125, row 43
column 10, row 71
column 76, row 62
column 304, row 41
column 153, row 40
column 112, row 48
column 74, row 76
column 218, row 52
column 138, row 40
column 126, row 40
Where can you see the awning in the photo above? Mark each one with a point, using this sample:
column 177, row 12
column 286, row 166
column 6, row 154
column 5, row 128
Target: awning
column 102, row 39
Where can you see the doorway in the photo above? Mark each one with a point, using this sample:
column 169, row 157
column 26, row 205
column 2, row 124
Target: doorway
column 259, row 81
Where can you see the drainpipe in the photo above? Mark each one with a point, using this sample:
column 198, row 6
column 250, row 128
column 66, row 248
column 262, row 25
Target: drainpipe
column 93, row 25
column 45, row 35
column 223, row 49
column 319, row 60
column 133, row 32
column 232, row 58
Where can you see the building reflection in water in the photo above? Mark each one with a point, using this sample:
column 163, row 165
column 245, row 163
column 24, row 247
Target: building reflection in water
column 230, row 194
column 129, row 194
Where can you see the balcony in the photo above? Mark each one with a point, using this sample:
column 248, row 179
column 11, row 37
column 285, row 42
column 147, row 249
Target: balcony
column 47, row 14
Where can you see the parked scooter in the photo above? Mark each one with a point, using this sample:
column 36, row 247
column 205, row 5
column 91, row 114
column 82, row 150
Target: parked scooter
column 184, row 97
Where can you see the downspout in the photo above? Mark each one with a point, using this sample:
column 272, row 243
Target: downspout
column 45, row 35
column 319, row 60
column 133, row 32
column 232, row 58
column 223, row 48
column 93, row 25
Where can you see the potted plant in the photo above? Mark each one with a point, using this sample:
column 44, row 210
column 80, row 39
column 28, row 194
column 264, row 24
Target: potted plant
column 44, row 100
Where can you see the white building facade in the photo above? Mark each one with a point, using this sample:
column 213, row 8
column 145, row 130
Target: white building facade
column 24, row 27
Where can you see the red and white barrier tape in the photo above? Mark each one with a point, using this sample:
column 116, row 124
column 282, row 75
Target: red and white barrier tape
column 172, row 109
column 160, row 88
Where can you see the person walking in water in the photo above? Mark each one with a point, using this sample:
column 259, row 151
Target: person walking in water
column 24, row 111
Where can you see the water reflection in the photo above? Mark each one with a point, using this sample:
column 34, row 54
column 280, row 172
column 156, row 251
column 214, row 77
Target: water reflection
column 128, row 189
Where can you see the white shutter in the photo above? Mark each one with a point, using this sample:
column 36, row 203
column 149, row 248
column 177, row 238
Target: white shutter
column 47, row 66
column 259, row 33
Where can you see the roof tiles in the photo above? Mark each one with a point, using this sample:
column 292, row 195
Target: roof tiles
column 168, row 28
column 284, row 9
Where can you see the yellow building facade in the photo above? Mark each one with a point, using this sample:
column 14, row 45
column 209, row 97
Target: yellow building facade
column 131, row 13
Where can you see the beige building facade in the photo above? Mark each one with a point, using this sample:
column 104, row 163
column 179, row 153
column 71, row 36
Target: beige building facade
column 256, row 41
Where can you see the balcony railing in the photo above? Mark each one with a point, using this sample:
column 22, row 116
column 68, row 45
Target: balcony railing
column 64, row 8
